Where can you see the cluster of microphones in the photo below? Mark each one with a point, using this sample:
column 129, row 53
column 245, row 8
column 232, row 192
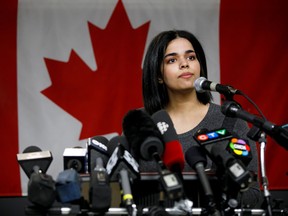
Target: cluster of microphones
column 145, row 138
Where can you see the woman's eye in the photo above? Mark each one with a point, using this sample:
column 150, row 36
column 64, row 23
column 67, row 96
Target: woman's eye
column 171, row 61
column 192, row 57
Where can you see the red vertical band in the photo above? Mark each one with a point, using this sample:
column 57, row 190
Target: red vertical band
column 9, row 174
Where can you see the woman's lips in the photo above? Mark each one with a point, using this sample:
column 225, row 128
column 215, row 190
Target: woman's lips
column 186, row 75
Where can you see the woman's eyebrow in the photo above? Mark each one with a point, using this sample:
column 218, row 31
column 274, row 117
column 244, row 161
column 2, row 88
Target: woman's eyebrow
column 170, row 54
column 190, row 51
column 174, row 54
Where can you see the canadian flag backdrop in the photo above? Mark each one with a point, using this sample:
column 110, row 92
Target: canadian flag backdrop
column 71, row 69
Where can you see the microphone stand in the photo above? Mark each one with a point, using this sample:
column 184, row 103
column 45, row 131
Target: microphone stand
column 267, row 195
column 256, row 135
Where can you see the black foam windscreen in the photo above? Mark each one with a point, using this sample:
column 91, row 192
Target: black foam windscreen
column 142, row 134
column 195, row 155
column 41, row 190
column 100, row 197
column 221, row 157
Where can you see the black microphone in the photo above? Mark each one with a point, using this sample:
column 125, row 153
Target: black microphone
column 41, row 186
column 122, row 167
column 201, row 85
column 215, row 143
column 97, row 147
column 196, row 158
column 232, row 174
column 278, row 133
column 147, row 142
column 100, row 193
column 33, row 156
column 240, row 149
column 173, row 156
column 41, row 189
column 142, row 135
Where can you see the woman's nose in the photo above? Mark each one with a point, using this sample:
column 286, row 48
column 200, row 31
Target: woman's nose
column 184, row 64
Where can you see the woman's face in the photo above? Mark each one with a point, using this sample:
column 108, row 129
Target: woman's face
column 180, row 66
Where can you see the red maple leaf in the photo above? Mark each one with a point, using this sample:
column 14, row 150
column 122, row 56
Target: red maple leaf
column 100, row 99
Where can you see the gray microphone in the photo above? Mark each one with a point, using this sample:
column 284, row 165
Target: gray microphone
column 201, row 85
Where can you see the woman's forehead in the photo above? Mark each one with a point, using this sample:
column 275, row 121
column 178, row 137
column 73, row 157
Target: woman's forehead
column 179, row 45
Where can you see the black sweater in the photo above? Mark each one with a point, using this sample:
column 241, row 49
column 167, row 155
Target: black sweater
column 214, row 120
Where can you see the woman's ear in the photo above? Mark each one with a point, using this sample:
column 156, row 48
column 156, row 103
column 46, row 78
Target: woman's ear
column 160, row 80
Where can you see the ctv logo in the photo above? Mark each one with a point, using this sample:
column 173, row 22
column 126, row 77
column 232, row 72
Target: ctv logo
column 239, row 147
column 212, row 135
column 207, row 137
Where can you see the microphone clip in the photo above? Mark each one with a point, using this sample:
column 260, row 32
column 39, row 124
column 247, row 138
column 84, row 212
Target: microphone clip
column 171, row 184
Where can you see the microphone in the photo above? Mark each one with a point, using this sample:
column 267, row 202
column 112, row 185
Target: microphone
column 124, row 168
column 201, row 85
column 100, row 194
column 240, row 149
column 142, row 135
column 278, row 133
column 232, row 173
column 146, row 141
column 215, row 144
column 33, row 156
column 173, row 156
column 41, row 187
column 97, row 147
column 68, row 186
column 196, row 159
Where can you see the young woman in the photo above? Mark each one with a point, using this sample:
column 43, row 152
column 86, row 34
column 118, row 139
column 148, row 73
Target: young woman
column 174, row 60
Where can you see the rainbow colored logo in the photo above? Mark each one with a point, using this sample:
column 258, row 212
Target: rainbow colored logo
column 239, row 147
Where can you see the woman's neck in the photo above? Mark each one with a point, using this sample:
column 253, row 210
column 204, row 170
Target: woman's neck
column 186, row 112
